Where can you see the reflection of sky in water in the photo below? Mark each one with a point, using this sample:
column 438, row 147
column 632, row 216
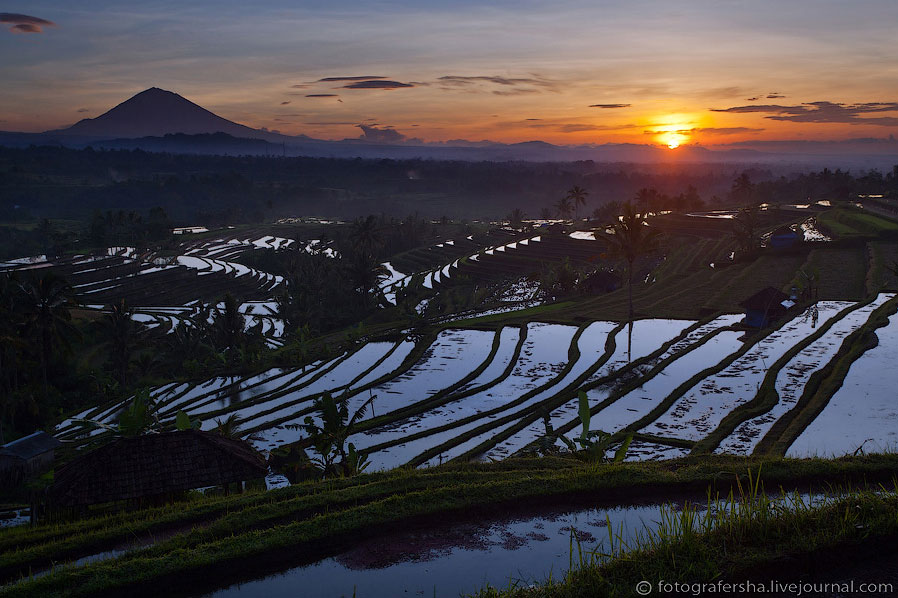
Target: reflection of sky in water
column 501, row 553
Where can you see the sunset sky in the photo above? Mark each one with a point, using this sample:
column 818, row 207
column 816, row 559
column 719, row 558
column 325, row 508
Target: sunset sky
column 640, row 71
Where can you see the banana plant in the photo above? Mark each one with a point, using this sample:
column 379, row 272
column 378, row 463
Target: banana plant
column 594, row 445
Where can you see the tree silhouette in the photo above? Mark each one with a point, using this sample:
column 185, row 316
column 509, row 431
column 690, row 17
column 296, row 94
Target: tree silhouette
column 516, row 218
column 123, row 334
column 47, row 317
column 632, row 239
column 577, row 196
column 564, row 208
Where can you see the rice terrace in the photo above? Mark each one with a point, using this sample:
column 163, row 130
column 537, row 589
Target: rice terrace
column 639, row 339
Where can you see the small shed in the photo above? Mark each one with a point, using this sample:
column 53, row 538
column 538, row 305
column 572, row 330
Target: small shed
column 764, row 307
column 784, row 238
column 20, row 458
column 153, row 465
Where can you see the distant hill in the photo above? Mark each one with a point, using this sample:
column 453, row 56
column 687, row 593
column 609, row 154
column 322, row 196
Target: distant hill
column 155, row 113
column 162, row 121
column 220, row 144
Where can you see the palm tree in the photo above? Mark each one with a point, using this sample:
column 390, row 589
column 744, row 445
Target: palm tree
column 124, row 334
column 564, row 208
column 46, row 315
column 577, row 196
column 365, row 234
column 516, row 218
column 632, row 239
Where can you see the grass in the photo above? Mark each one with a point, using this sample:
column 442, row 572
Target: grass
column 303, row 523
column 748, row 536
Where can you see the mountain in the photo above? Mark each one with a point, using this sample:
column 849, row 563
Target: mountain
column 156, row 113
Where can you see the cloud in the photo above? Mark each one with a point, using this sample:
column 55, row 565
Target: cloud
column 508, row 81
column 510, row 85
column 610, row 105
column 515, row 92
column 377, row 84
column 773, row 95
column 533, row 119
column 83, row 110
column 284, row 103
column 327, row 124
column 354, row 78
column 823, row 112
column 377, row 135
column 300, row 86
column 24, row 23
column 709, row 131
column 322, row 95
column 754, row 99
column 576, row 127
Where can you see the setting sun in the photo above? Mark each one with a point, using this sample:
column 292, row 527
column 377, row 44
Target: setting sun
column 672, row 139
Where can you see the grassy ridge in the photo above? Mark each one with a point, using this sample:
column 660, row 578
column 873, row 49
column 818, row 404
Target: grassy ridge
column 312, row 520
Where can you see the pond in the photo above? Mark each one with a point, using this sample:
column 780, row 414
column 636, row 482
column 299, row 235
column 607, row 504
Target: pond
column 452, row 558
column 429, row 562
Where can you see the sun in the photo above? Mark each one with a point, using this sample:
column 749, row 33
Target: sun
column 672, row 139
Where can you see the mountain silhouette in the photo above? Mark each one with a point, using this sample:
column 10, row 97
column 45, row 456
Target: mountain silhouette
column 156, row 112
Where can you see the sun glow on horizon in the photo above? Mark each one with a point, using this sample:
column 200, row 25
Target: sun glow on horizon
column 673, row 139
column 675, row 131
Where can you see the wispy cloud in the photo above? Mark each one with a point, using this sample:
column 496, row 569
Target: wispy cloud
column 284, row 103
column 83, row 110
column 325, row 95
column 773, row 95
column 610, row 105
column 509, row 86
column 353, row 78
column 377, row 84
column 24, row 23
column 563, row 127
column 823, row 112
column 708, row 131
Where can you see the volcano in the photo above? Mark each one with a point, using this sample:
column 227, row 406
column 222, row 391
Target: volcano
column 156, row 112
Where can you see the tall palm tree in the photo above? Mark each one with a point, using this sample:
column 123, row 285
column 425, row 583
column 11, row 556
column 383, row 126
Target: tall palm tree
column 632, row 239
column 124, row 334
column 47, row 304
column 564, row 208
column 577, row 196
column 516, row 218
column 365, row 235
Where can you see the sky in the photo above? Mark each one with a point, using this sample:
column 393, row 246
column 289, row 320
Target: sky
column 566, row 72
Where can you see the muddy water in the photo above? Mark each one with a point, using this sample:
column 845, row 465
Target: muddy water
column 445, row 561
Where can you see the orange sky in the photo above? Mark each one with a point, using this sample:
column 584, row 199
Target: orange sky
column 566, row 72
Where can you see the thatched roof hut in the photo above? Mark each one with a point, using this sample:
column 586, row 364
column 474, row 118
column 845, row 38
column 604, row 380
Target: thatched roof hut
column 765, row 306
column 155, row 464
column 22, row 457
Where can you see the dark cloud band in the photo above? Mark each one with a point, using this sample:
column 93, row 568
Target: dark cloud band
column 823, row 112
column 24, row 23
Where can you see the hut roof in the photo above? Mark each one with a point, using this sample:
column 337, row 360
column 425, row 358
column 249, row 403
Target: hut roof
column 155, row 464
column 785, row 231
column 30, row 446
column 765, row 299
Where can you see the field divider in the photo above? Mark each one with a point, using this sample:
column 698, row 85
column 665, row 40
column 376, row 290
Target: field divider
column 824, row 383
column 421, row 345
column 767, row 396
column 573, row 356
column 435, row 400
column 455, row 397
column 568, row 393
